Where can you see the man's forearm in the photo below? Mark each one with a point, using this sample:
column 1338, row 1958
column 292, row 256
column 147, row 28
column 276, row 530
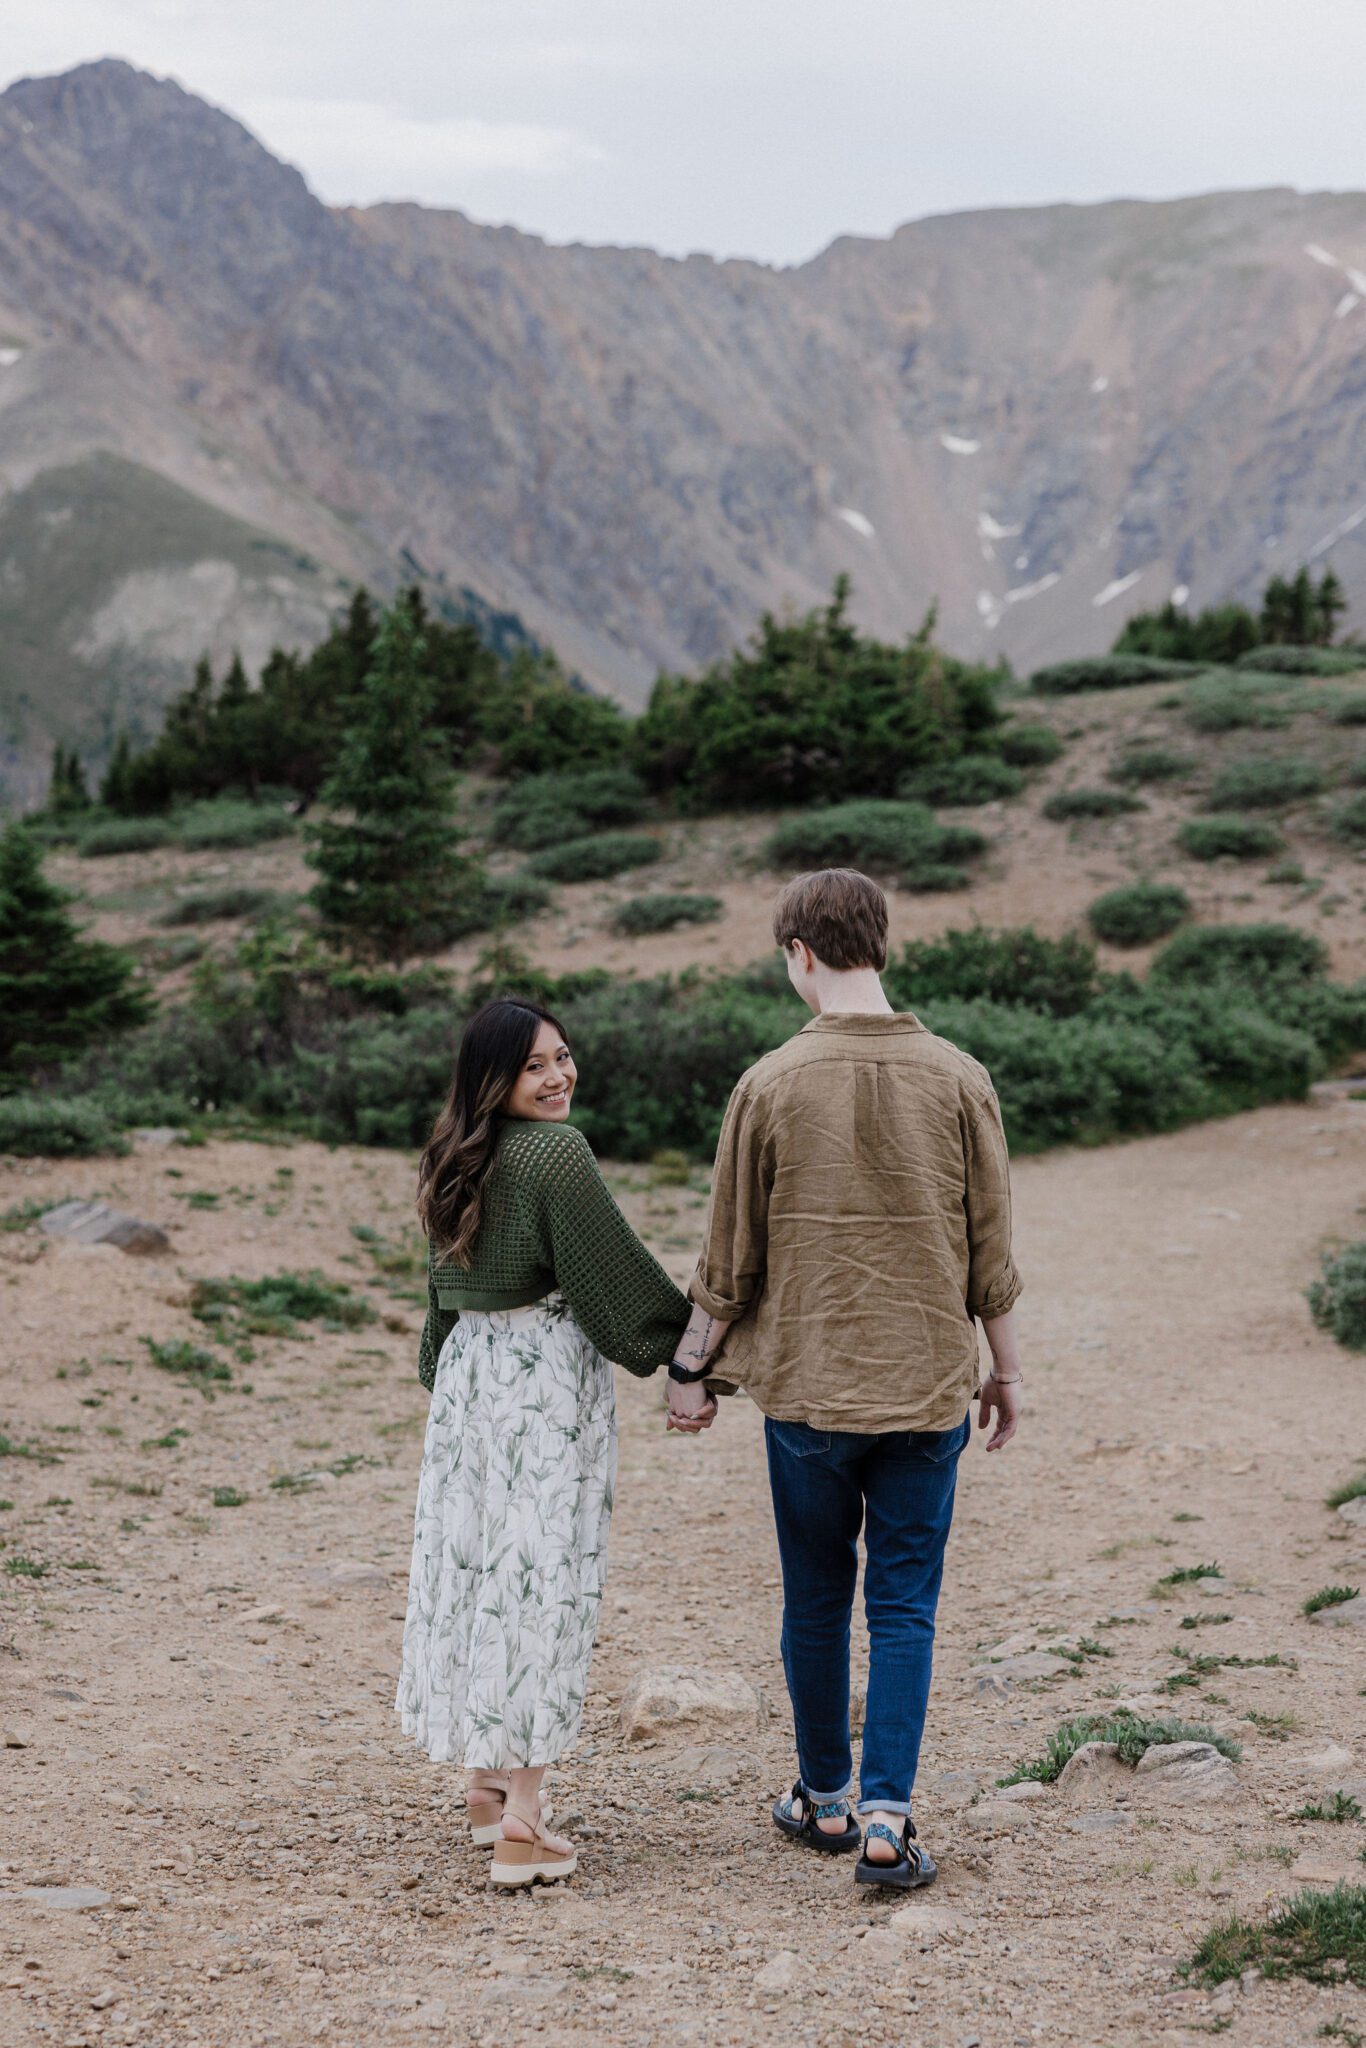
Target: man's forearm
column 703, row 1337
column 1003, row 1335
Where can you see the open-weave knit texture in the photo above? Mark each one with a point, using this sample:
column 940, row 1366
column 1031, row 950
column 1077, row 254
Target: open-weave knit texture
column 549, row 1221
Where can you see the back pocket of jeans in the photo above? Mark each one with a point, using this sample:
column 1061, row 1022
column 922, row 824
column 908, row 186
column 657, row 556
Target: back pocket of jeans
column 799, row 1438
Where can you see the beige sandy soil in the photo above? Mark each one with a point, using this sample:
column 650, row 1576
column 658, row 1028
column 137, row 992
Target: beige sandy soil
column 204, row 1693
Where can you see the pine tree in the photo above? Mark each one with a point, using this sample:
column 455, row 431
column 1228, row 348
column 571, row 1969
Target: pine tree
column 114, row 792
column 67, row 790
column 388, row 864
column 1331, row 603
column 59, row 991
column 1277, row 611
column 1303, row 609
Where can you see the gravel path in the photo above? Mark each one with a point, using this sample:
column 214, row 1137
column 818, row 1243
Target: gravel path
column 197, row 1698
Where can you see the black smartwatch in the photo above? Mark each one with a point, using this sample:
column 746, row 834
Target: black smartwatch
column 685, row 1376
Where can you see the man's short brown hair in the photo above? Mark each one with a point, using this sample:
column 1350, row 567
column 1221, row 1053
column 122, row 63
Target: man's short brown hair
column 841, row 915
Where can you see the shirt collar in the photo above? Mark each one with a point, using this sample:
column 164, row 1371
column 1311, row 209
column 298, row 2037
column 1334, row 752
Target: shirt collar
column 862, row 1024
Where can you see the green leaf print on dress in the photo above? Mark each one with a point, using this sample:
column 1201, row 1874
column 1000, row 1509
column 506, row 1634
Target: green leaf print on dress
column 514, row 1505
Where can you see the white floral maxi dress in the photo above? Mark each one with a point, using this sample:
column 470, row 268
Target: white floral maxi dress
column 514, row 1503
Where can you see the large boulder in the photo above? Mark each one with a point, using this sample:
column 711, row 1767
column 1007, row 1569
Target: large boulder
column 1185, row 1773
column 693, row 1703
column 97, row 1223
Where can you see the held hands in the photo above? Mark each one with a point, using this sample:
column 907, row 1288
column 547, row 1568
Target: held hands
column 1001, row 1398
column 690, row 1409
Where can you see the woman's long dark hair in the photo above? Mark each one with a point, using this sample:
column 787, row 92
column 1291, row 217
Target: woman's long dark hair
column 495, row 1047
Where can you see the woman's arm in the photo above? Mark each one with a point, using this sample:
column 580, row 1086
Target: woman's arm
column 691, row 1406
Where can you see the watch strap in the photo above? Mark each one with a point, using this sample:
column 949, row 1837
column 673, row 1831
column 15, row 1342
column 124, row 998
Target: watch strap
column 685, row 1375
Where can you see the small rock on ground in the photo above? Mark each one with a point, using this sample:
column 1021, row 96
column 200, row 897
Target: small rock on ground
column 1185, row 1773
column 667, row 1701
column 1347, row 1614
column 97, row 1223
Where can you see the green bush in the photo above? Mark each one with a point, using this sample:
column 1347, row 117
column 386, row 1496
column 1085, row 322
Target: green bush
column 1318, row 1935
column 1263, row 785
column 123, row 835
column 1132, row 1735
column 1067, row 804
column 482, row 903
column 812, row 711
column 901, row 839
column 1016, row 968
column 542, row 810
column 209, row 906
column 1149, row 764
column 1138, row 913
column 1262, row 957
column 1347, row 821
column 1231, row 703
column 1303, row 661
column 223, row 823
column 661, row 913
column 1029, row 746
column 1104, row 672
column 1337, row 1301
column 970, row 779
column 55, row 1127
column 1349, row 710
column 594, row 859
column 1228, row 838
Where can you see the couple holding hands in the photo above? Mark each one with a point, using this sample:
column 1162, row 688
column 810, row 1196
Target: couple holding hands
column 859, row 1225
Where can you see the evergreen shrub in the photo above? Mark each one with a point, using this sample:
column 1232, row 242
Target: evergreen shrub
column 883, row 836
column 1263, row 785
column 1303, row 661
column 1256, row 956
column 1029, row 746
column 1105, row 672
column 1347, row 821
column 541, row 810
column 1016, row 968
column 1227, row 703
column 1337, row 1300
column 595, row 858
column 1228, row 838
column 210, row 906
column 1349, row 710
column 1149, row 764
column 664, row 912
column 1139, row 913
column 1067, row 804
column 123, row 835
column 56, row 1127
column 967, row 779
column 222, row 822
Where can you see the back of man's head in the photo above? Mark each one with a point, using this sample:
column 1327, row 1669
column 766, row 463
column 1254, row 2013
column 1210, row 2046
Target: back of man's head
column 840, row 915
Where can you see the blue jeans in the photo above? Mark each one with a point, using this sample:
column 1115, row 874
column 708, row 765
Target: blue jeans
column 826, row 1484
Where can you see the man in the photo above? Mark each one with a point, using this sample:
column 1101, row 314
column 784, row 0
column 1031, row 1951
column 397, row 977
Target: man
column 859, row 1221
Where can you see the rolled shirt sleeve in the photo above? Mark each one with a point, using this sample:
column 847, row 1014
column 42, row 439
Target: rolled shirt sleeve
column 994, row 1283
column 730, row 1272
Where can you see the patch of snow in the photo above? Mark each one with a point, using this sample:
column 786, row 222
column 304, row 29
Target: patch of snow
column 1357, row 280
column 860, row 522
column 1023, row 591
column 1347, row 525
column 991, row 529
column 1273, row 540
column 1181, row 593
column 1100, row 384
column 1345, row 305
column 1321, row 255
column 958, row 445
column 1021, row 561
column 987, row 607
column 9, row 357
column 1117, row 588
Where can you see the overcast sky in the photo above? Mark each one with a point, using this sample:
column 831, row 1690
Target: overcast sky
column 750, row 127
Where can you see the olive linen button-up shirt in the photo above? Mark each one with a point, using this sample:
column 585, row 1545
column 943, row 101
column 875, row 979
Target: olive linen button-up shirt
column 859, row 1221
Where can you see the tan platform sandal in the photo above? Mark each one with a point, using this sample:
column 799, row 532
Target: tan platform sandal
column 484, row 1806
column 534, row 1862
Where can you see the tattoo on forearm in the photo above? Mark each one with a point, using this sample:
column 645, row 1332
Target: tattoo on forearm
column 701, row 1345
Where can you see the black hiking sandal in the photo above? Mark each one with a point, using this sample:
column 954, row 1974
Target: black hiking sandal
column 914, row 1866
column 802, row 1827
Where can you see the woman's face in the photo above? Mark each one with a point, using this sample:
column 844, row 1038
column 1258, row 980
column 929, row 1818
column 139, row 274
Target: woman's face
column 542, row 1091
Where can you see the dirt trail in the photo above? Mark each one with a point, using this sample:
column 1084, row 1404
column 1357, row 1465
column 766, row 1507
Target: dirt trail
column 204, row 1693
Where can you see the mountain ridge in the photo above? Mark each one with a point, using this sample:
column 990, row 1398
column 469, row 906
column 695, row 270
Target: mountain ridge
column 1039, row 417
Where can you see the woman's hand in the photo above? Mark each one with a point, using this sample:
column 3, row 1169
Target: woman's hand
column 690, row 1407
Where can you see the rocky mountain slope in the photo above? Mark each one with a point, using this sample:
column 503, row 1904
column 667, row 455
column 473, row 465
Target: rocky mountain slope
column 1040, row 418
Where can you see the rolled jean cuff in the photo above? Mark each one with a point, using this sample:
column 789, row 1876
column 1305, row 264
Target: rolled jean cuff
column 884, row 1806
column 826, row 1798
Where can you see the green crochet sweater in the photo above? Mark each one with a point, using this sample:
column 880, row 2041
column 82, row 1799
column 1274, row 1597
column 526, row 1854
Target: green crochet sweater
column 549, row 1222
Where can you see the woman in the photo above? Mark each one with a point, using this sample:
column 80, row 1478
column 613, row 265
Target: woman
column 535, row 1280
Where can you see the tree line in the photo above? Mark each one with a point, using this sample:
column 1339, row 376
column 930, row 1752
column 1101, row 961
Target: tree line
column 1296, row 611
